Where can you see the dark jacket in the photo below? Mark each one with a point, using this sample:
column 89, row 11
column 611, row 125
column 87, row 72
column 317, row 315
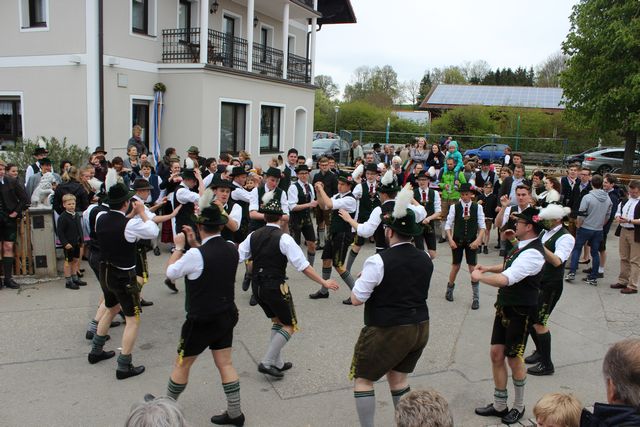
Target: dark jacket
column 435, row 160
column 576, row 198
column 505, row 187
column 69, row 229
column 609, row 416
column 14, row 197
column 71, row 187
column 614, row 195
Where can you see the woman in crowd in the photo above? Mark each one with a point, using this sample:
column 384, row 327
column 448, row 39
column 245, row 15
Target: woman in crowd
column 132, row 162
column 435, row 159
column 64, row 166
column 12, row 171
column 551, row 194
column 127, row 176
column 354, row 152
column 420, row 154
column 71, row 185
column 245, row 158
column 136, row 140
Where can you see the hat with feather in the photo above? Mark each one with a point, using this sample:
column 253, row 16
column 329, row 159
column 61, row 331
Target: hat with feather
column 402, row 220
column 270, row 204
column 117, row 192
column 388, row 183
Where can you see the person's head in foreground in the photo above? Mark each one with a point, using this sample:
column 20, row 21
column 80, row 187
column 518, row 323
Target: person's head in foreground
column 557, row 410
column 423, row 408
column 162, row 411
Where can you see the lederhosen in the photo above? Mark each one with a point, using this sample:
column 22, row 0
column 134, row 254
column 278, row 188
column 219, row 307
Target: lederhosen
column 255, row 224
column 300, row 222
column 269, row 276
column 428, row 232
column 465, row 231
column 551, row 283
column 515, row 307
column 367, row 203
column 396, row 316
column 211, row 311
column 378, row 235
column 117, row 264
column 340, row 237
column 186, row 214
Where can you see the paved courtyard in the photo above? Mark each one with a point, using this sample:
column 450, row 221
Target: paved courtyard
column 46, row 379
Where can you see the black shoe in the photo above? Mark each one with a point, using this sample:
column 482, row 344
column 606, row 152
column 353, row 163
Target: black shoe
column 541, row 369
column 587, row 270
column 584, row 261
column 132, row 371
column 95, row 358
column 225, row 419
column 89, row 335
column 270, row 370
column 171, row 285
column 148, row 397
column 475, row 304
column 72, row 285
column 449, row 294
column 513, row 416
column 490, row 411
column 156, row 251
column 115, row 324
column 533, row 358
column 80, row 282
column 479, row 250
column 503, row 252
column 285, row 367
column 145, row 303
column 347, row 301
column 11, row 284
column 485, row 250
column 319, row 295
column 442, row 240
column 81, row 270
column 253, row 301
column 246, row 283
column 497, row 247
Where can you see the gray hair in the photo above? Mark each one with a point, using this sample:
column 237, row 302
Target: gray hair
column 162, row 411
column 621, row 365
column 423, row 408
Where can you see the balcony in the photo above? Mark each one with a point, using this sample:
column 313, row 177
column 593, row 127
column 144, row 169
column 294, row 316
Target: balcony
column 182, row 45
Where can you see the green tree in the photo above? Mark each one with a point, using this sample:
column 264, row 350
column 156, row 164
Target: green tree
column 377, row 85
column 425, row 87
column 602, row 80
column 21, row 153
column 453, row 75
column 327, row 85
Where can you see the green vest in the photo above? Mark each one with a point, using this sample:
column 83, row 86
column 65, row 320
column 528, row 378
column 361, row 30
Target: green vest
column 367, row 203
column 525, row 292
column 465, row 230
column 549, row 272
column 338, row 225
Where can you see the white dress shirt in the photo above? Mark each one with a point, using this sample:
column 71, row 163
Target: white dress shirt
column 451, row 216
column 507, row 212
column 369, row 227
column 564, row 244
column 357, row 190
column 371, row 276
column 627, row 211
column 29, row 172
column 254, row 203
column 236, row 213
column 190, row 264
column 185, row 195
column 292, row 194
column 437, row 204
column 528, row 263
column 239, row 194
column 150, row 214
column 288, row 247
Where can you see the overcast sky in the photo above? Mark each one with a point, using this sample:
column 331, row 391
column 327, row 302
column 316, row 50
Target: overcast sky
column 415, row 35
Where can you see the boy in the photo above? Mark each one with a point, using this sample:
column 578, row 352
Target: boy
column 557, row 410
column 70, row 235
column 466, row 219
column 430, row 200
column 489, row 202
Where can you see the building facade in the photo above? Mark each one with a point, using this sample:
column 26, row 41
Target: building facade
column 238, row 73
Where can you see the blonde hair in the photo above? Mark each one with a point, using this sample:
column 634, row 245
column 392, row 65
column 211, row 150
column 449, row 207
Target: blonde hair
column 244, row 154
column 71, row 174
column 423, row 408
column 68, row 197
column 558, row 408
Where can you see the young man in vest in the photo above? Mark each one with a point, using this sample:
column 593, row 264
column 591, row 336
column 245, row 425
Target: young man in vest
column 289, row 173
column 329, row 181
column 187, row 196
column 340, row 235
column 394, row 287
column 302, row 200
column 465, row 230
column 222, row 198
column 430, row 201
column 211, row 311
column 146, row 172
column 366, row 193
column 506, row 219
column 242, row 197
column 558, row 244
column 271, row 250
column 518, row 281
column 117, row 236
column 449, row 182
column 38, row 154
column 484, row 175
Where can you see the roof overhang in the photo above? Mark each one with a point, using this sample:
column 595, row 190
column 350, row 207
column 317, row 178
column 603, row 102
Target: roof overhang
column 336, row 12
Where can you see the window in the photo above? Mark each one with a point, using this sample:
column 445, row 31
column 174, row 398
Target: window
column 184, row 14
column 269, row 129
column 232, row 127
column 140, row 117
column 34, row 13
column 10, row 119
column 140, row 16
column 264, row 41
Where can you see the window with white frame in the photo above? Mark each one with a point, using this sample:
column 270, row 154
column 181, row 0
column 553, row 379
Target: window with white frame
column 232, row 127
column 34, row 13
column 143, row 13
column 140, row 117
column 10, row 119
column 270, row 129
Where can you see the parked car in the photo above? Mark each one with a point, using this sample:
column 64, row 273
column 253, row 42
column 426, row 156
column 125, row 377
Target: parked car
column 320, row 134
column 491, row 152
column 579, row 158
column 606, row 159
column 338, row 148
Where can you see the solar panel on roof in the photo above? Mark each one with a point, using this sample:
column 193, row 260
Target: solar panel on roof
column 509, row 96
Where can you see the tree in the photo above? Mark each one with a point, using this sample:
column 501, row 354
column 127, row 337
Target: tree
column 411, row 91
column 476, row 71
column 453, row 75
column 376, row 85
column 602, row 80
column 327, row 85
column 425, row 87
column 548, row 73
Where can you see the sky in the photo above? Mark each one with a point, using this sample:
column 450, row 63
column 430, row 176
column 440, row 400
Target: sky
column 416, row 35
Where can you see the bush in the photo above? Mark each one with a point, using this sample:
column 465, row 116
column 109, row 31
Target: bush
column 21, row 153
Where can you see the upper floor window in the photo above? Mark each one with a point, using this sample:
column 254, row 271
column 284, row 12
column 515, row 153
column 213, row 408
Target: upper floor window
column 34, row 13
column 10, row 120
column 143, row 13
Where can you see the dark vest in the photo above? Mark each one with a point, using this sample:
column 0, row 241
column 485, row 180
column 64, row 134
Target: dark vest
column 525, row 292
column 243, row 231
column 213, row 292
column 268, row 262
column 185, row 216
column 303, row 198
column 549, row 272
column 286, row 179
column 401, row 297
column 378, row 235
column 367, row 203
column 338, row 225
column 429, row 206
column 114, row 248
column 465, row 230
column 255, row 224
column 480, row 181
column 36, row 168
column 93, row 242
column 226, row 233
column 155, row 191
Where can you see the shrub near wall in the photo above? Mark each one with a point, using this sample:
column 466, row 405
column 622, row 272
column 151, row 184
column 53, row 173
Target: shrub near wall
column 21, row 153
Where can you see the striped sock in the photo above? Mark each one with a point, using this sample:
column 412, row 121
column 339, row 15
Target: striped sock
column 275, row 328
column 500, row 399
column 475, row 289
column 174, row 389
column 124, row 360
column 326, row 275
column 311, row 257
column 98, row 343
column 276, row 344
column 518, row 401
column 351, row 258
column 92, row 326
column 348, row 279
column 397, row 394
column 366, row 407
column 232, row 391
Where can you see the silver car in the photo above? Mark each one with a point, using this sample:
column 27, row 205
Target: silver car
column 604, row 160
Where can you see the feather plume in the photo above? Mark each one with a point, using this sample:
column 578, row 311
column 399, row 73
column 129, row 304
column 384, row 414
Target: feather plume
column 432, row 172
column 280, row 163
column 229, row 168
column 42, row 143
column 554, row 211
column 396, row 159
column 309, row 163
column 111, row 179
column 387, row 179
column 381, row 166
column 189, row 163
column 95, row 184
column 357, row 172
column 206, row 199
column 402, row 202
column 268, row 196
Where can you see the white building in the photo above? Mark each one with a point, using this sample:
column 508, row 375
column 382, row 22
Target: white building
column 86, row 70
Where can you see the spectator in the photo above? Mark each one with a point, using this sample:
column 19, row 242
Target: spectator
column 159, row 412
column 537, row 183
column 516, row 160
column 470, row 173
column 136, row 140
column 628, row 216
column 423, row 408
column 34, row 180
column 71, row 185
column 610, row 186
column 377, row 153
column 210, row 167
column 593, row 214
column 484, row 175
column 509, row 185
column 412, row 178
column 404, row 152
column 99, row 163
column 557, row 410
column 454, row 153
column 388, row 154
column 65, row 165
column 435, row 159
column 12, row 171
column 568, row 182
column 125, row 174
column 194, row 154
column 621, row 370
column 449, row 182
column 506, row 160
column 370, row 158
column 69, row 230
column 420, row 154
column 39, row 153
column 551, row 194
column 245, row 158
column 145, row 158
column 132, row 162
column 164, row 166
column 355, row 151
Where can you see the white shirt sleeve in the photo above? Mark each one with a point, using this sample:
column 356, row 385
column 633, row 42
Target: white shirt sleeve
column 28, row 174
column 254, row 204
column 528, row 263
column 292, row 251
column 241, row 194
column 292, row 195
column 371, row 276
column 244, row 249
column 419, row 211
column 357, row 191
column 207, row 180
column 564, row 246
column 284, row 203
column 190, row 265
column 137, row 229
column 437, row 203
column 369, row 227
column 184, row 195
column 236, row 213
column 450, row 217
column 505, row 216
column 347, row 203
column 481, row 224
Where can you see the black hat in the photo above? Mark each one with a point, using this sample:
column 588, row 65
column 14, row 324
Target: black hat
column 466, row 187
column 423, row 174
column 212, row 215
column 485, row 162
column 371, row 167
column 388, row 183
column 118, row 193
column 188, row 174
column 99, row 150
column 274, row 172
column 221, row 183
column 40, row 151
column 237, row 171
column 193, row 150
column 141, row 184
column 44, row 161
column 531, row 216
column 302, row 168
column 345, row 177
column 270, row 204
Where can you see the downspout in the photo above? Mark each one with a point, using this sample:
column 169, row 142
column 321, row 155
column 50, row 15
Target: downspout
column 100, row 70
